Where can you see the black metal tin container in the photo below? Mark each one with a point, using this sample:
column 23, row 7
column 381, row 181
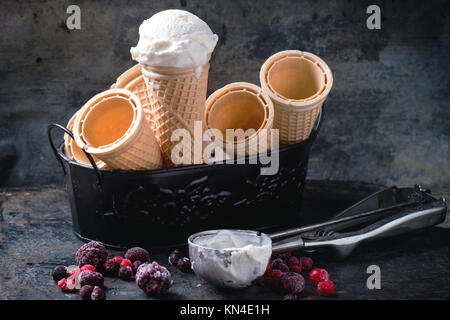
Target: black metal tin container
column 163, row 207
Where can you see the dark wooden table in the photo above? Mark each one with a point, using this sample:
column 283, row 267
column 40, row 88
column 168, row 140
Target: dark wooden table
column 36, row 235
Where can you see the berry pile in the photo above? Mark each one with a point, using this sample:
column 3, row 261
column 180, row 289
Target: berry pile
column 94, row 265
column 284, row 272
column 183, row 264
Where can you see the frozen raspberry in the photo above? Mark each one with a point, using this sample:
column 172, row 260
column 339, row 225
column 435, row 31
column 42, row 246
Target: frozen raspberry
column 111, row 268
column 59, row 273
column 184, row 265
column 88, row 267
column 290, row 296
column 318, row 275
column 153, row 279
column 91, row 278
column 118, row 259
column 293, row 262
column 126, row 273
column 126, row 263
column 86, row 291
column 279, row 264
column 93, row 253
column 292, row 282
column 296, row 269
column 268, row 268
column 137, row 253
column 174, row 257
column 98, row 294
column 326, row 288
column 306, row 263
column 136, row 265
column 66, row 285
column 274, row 278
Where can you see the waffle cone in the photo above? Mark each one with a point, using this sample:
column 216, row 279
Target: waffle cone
column 297, row 83
column 133, row 80
column 112, row 127
column 73, row 152
column 240, row 105
column 177, row 99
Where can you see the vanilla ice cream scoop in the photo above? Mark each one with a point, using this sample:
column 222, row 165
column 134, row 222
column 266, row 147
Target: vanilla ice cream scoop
column 230, row 258
column 174, row 38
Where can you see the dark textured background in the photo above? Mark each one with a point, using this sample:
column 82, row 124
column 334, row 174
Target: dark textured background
column 387, row 118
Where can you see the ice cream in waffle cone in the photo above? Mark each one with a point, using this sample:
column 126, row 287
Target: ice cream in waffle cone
column 177, row 99
column 174, row 50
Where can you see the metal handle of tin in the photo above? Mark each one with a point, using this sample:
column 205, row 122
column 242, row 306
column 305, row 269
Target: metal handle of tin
column 55, row 150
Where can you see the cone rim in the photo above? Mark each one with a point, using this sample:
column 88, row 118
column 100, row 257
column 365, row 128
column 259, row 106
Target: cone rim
column 127, row 139
column 302, row 104
column 234, row 86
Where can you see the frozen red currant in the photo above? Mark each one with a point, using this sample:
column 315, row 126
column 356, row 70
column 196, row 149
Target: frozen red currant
column 88, row 267
column 318, row 275
column 326, row 288
column 126, row 263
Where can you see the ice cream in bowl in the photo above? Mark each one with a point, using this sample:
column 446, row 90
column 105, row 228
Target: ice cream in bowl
column 229, row 258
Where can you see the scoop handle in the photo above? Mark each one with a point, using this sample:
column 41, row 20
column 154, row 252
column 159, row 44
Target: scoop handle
column 343, row 244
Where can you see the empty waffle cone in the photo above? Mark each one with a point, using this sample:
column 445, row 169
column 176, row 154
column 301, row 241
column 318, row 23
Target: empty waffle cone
column 133, row 80
column 244, row 106
column 298, row 84
column 112, row 127
column 73, row 152
column 177, row 99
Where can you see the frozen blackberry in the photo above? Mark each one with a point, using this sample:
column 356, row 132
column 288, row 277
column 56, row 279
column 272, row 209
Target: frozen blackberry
column 174, row 257
column 136, row 265
column 111, row 268
column 153, row 279
column 279, row 264
column 292, row 282
column 126, row 273
column 137, row 253
column 283, row 256
column 184, row 265
column 91, row 278
column 93, row 253
column 59, row 273
column 98, row 294
column 86, row 291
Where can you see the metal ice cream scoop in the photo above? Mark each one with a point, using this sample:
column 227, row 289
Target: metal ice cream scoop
column 389, row 212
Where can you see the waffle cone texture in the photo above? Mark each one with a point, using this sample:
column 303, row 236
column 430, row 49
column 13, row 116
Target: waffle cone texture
column 177, row 99
column 297, row 83
column 133, row 80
